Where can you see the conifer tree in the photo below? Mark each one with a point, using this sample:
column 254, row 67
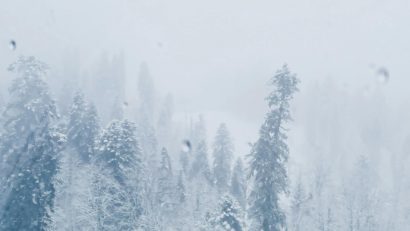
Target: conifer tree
column 200, row 164
column 360, row 198
column 181, row 188
column 73, row 207
column 83, row 127
column 119, row 160
column 198, row 131
column 29, row 149
column 164, row 124
column 299, row 207
column 184, row 160
column 269, row 155
column 146, row 93
column 119, row 151
column 222, row 153
column 238, row 183
column 322, row 202
column 165, row 190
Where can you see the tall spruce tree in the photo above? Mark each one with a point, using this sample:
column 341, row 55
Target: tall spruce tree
column 238, row 183
column 184, row 160
column 269, row 155
column 165, row 182
column 200, row 164
column 198, row 131
column 164, row 124
column 147, row 134
column 361, row 198
column 119, row 150
column 298, row 207
column 222, row 153
column 73, row 208
column 201, row 185
column 321, row 204
column 119, row 159
column 83, row 127
column 146, row 90
column 29, row 149
column 181, row 194
column 92, row 123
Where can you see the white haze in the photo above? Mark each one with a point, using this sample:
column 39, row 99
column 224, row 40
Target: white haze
column 215, row 58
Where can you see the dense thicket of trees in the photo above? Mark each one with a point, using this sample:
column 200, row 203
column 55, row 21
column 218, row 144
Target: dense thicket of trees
column 122, row 167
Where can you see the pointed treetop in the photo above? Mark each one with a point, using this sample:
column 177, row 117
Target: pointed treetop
column 285, row 83
column 29, row 66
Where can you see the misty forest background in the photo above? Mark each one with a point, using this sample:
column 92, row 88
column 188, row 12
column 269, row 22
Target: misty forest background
column 71, row 164
column 181, row 115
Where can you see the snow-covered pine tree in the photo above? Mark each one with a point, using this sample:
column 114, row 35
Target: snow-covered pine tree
column 202, row 198
column 119, row 151
column 92, row 123
column 145, row 118
column 184, row 160
column 229, row 215
column 182, row 219
column 202, row 193
column 164, row 124
column 299, row 207
column 322, row 203
column 200, row 164
column 83, row 127
column 198, row 131
column 146, row 96
column 29, row 148
column 181, row 188
column 189, row 157
column 222, row 153
column 108, row 82
column 149, row 145
column 73, row 208
column 76, row 115
column 119, row 159
column 150, row 218
column 360, row 198
column 269, row 155
column 238, row 183
column 165, row 192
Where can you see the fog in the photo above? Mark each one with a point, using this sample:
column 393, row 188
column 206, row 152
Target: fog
column 229, row 48
column 216, row 58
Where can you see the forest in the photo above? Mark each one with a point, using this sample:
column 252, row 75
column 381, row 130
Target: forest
column 158, row 115
column 66, row 167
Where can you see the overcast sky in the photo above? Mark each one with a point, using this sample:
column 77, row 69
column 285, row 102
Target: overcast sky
column 216, row 56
